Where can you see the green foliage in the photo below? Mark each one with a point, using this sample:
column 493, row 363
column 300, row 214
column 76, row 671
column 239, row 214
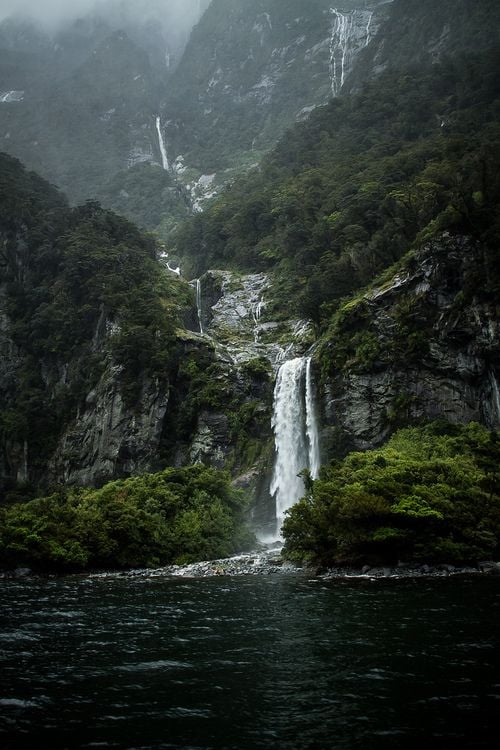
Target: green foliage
column 430, row 494
column 81, row 288
column 258, row 368
column 347, row 193
column 147, row 195
column 178, row 515
column 239, row 401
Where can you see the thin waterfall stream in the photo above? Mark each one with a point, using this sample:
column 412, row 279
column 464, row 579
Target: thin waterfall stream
column 161, row 143
column 198, row 303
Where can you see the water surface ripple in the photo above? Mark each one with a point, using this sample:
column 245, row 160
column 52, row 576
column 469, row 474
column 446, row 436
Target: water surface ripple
column 254, row 662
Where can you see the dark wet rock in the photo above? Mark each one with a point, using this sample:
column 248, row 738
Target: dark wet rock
column 456, row 374
column 22, row 572
column 489, row 566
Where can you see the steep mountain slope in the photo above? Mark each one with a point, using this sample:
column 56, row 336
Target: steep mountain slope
column 82, row 130
column 88, row 92
column 348, row 193
column 392, row 178
column 81, row 107
column 103, row 373
column 252, row 69
column 87, row 333
column 422, row 344
column 417, row 34
column 377, row 220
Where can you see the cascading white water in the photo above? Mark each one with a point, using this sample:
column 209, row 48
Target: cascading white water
column 368, row 28
column 198, row 303
column 163, row 149
column 174, row 269
column 339, row 48
column 350, row 32
column 257, row 314
column 295, row 434
column 312, row 425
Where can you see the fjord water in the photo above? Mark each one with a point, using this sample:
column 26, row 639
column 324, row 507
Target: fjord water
column 278, row 661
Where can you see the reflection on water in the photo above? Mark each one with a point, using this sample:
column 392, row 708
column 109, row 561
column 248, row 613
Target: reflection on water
column 255, row 662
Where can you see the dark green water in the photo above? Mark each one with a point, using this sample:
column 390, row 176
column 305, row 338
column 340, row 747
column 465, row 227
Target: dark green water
column 254, row 662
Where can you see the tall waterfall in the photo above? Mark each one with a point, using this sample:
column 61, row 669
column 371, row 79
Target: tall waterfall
column 295, row 434
column 351, row 32
column 163, row 148
column 312, row 425
column 198, row 303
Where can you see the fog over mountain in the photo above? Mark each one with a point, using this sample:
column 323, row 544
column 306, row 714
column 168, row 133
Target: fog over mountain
column 52, row 14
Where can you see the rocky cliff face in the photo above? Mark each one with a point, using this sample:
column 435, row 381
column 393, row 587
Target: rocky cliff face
column 107, row 438
column 251, row 70
column 103, row 438
column 428, row 32
column 425, row 345
column 82, row 110
column 230, row 396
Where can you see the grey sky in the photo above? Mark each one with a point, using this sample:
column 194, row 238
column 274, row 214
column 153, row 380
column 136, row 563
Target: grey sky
column 53, row 12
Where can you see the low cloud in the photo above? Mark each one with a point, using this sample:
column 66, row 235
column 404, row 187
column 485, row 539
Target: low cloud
column 53, row 13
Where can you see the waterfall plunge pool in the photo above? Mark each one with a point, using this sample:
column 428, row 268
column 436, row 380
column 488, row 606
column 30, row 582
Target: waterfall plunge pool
column 253, row 662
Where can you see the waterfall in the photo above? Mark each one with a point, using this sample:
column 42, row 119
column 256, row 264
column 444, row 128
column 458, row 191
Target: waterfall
column 163, row 149
column 495, row 395
column 174, row 269
column 295, row 434
column 368, row 25
column 312, row 425
column 350, row 32
column 257, row 314
column 339, row 48
column 198, row 302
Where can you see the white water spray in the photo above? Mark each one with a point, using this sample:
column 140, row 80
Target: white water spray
column 295, row 433
column 163, row 148
column 174, row 269
column 11, row 96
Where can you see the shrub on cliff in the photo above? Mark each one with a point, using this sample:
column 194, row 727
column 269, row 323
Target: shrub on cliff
column 430, row 494
column 177, row 515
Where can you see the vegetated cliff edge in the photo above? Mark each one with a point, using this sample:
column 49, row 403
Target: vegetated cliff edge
column 423, row 344
column 103, row 372
column 87, row 336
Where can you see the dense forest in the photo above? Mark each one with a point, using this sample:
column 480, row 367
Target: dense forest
column 176, row 516
column 429, row 494
column 82, row 287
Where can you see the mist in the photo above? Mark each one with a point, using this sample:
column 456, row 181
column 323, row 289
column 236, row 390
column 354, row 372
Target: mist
column 54, row 14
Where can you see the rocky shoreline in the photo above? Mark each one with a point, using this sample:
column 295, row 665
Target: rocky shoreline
column 269, row 562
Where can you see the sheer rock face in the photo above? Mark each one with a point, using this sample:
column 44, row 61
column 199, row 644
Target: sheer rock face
column 451, row 372
column 251, row 70
column 109, row 439
column 235, row 313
